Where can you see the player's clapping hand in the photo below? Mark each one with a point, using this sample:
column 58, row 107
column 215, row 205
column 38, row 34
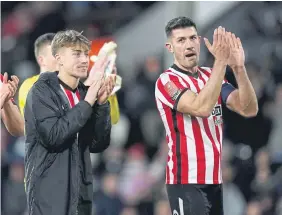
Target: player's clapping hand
column 92, row 92
column 220, row 48
column 4, row 95
column 237, row 55
column 97, row 71
column 8, row 88
column 95, row 80
column 106, row 89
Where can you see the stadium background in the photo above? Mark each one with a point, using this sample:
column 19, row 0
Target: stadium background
column 129, row 176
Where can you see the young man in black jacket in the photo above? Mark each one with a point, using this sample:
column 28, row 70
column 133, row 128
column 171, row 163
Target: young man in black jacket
column 65, row 122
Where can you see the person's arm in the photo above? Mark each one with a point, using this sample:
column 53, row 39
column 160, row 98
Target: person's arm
column 12, row 119
column 53, row 127
column 100, row 123
column 201, row 105
column 243, row 100
column 10, row 114
column 102, row 128
column 97, row 132
column 4, row 96
column 175, row 94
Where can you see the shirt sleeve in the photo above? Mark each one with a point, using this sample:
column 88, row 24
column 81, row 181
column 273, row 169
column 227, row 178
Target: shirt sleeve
column 169, row 89
column 23, row 91
column 226, row 90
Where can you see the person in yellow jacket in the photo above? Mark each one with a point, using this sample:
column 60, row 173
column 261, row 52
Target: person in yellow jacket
column 46, row 62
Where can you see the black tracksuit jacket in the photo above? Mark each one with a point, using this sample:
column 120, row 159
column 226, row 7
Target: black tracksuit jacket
column 59, row 140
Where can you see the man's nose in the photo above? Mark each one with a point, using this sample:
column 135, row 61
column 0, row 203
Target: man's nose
column 189, row 45
column 84, row 58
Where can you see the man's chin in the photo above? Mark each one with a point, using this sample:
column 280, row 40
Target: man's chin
column 81, row 75
column 192, row 64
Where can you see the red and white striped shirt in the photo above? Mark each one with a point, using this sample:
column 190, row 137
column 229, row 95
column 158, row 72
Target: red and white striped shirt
column 194, row 143
column 73, row 96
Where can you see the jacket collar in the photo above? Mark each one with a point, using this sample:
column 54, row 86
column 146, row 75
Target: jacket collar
column 51, row 78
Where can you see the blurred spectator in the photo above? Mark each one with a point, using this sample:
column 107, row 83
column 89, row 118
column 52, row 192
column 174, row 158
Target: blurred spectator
column 275, row 140
column 254, row 208
column 234, row 202
column 162, row 208
column 140, row 95
column 14, row 202
column 278, row 209
column 133, row 176
column 19, row 22
column 107, row 201
column 113, row 158
column 129, row 211
column 139, row 177
column 261, row 184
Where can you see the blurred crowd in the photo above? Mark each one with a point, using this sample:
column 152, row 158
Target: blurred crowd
column 129, row 176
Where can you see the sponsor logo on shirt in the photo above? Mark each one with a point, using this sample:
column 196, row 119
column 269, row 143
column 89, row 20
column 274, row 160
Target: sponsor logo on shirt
column 217, row 112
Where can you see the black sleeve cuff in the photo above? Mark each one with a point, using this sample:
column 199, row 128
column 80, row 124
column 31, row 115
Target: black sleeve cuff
column 103, row 105
column 103, row 108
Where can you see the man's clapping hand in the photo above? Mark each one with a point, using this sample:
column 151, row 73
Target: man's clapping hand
column 106, row 89
column 8, row 88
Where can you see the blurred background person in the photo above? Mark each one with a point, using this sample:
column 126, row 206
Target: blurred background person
column 108, row 195
column 46, row 63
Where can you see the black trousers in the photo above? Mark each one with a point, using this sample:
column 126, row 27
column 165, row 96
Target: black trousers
column 195, row 199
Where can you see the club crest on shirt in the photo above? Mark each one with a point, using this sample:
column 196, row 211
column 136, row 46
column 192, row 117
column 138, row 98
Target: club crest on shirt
column 172, row 90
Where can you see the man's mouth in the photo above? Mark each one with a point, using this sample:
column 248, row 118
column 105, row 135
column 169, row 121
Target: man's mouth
column 82, row 67
column 190, row 55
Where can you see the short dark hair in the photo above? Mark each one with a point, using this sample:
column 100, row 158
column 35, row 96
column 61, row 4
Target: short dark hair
column 178, row 22
column 41, row 41
column 69, row 38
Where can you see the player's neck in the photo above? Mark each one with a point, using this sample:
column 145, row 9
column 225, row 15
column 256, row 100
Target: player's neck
column 42, row 70
column 71, row 81
column 192, row 70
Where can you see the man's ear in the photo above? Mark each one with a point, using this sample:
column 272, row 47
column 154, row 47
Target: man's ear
column 169, row 47
column 40, row 60
column 58, row 59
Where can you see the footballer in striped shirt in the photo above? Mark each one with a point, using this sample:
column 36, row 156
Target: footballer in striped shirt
column 189, row 99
